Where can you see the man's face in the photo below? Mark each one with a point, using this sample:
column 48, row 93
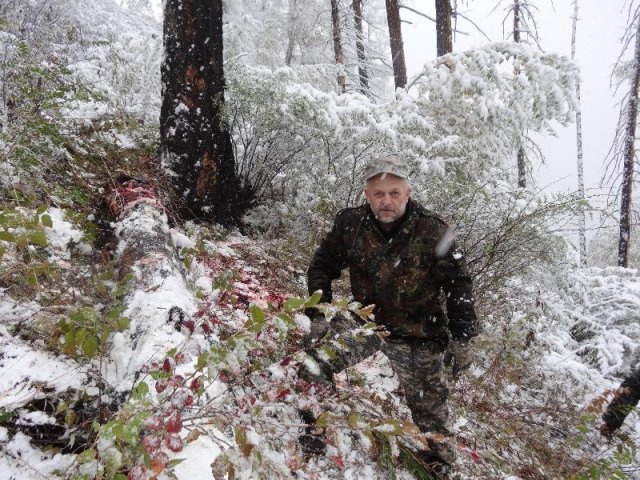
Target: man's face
column 387, row 195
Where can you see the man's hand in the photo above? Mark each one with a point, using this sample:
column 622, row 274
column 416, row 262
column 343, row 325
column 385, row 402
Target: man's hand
column 606, row 430
column 459, row 355
column 317, row 330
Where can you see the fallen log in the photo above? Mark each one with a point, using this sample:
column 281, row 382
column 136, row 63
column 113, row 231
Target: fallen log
column 157, row 289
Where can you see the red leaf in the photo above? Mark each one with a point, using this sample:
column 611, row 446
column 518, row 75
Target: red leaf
column 194, row 386
column 173, row 442
column 174, row 423
column 151, row 443
column 166, row 365
column 190, row 325
column 283, row 393
column 474, row 455
column 338, row 461
column 139, row 472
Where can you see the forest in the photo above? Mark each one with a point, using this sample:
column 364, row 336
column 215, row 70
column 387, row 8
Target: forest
column 167, row 171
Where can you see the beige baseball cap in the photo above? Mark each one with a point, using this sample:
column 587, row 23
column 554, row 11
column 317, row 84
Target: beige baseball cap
column 387, row 164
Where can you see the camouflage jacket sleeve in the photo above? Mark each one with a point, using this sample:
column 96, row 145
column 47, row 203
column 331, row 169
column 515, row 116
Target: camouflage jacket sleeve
column 329, row 260
column 456, row 283
column 626, row 397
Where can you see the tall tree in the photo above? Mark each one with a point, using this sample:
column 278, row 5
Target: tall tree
column 288, row 57
column 337, row 43
column 521, row 156
column 395, row 41
column 195, row 143
column 581, row 218
column 444, row 33
column 362, row 59
column 625, row 137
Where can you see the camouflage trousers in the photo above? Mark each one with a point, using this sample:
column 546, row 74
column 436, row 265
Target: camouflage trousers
column 419, row 366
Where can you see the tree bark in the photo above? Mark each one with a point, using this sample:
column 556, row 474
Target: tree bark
column 581, row 215
column 362, row 59
column 195, row 143
column 629, row 157
column 395, row 41
column 337, row 44
column 522, row 172
column 288, row 58
column 444, row 34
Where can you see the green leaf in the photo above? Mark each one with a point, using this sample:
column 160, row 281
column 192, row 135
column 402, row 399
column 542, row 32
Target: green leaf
column 32, row 279
column 84, row 316
column 202, row 361
column 7, row 236
column 87, row 456
column 2, row 251
column 313, row 299
column 174, row 462
column 293, row 303
column 46, row 220
column 257, row 321
column 80, row 334
column 90, row 346
column 123, row 323
column 142, row 389
column 5, row 416
column 114, row 313
column 41, row 209
column 240, row 436
column 38, row 238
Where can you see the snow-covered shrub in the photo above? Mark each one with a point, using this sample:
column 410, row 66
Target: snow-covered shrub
column 503, row 230
column 303, row 147
column 603, row 247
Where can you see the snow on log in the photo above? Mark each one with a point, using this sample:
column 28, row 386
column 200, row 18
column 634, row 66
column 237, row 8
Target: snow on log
column 146, row 249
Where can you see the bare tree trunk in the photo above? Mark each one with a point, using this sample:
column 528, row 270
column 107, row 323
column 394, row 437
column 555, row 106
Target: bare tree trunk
column 337, row 43
column 444, row 34
column 629, row 157
column 362, row 69
column 522, row 157
column 292, row 32
column 196, row 144
column 395, row 40
column 516, row 21
column 581, row 216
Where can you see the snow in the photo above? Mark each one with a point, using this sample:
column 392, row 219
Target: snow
column 25, row 370
column 198, row 456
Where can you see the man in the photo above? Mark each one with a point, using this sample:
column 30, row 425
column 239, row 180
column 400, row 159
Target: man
column 402, row 258
column 624, row 400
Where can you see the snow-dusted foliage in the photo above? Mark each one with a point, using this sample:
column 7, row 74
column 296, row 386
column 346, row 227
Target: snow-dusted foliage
column 479, row 107
column 466, row 110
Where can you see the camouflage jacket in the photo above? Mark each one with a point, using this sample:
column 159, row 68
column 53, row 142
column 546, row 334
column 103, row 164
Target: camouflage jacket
column 627, row 396
column 402, row 272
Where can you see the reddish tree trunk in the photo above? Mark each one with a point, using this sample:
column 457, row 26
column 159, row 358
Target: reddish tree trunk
column 196, row 145
column 444, row 34
column 395, row 40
